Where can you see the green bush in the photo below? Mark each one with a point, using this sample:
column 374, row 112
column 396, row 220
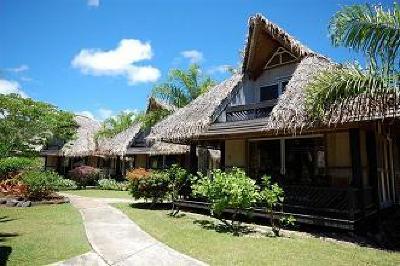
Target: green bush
column 41, row 184
column 227, row 190
column 178, row 180
column 13, row 165
column 154, row 186
column 66, row 184
column 112, row 184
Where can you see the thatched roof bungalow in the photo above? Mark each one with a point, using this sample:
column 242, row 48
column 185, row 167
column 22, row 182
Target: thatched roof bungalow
column 338, row 171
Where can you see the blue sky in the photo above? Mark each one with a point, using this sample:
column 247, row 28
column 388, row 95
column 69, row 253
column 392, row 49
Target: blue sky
column 100, row 57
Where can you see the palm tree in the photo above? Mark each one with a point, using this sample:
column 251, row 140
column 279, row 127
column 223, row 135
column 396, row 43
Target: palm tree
column 373, row 31
column 116, row 124
column 183, row 86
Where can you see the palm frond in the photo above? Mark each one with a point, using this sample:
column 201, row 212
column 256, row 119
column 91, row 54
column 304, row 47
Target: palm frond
column 341, row 83
column 370, row 29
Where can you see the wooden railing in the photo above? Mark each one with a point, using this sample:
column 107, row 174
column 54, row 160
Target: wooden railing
column 249, row 111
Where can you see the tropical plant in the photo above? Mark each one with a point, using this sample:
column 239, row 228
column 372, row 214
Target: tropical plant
column 183, row 86
column 368, row 29
column 150, row 118
column 112, row 184
column 272, row 195
column 84, row 175
column 116, row 124
column 137, row 173
column 40, row 184
column 154, row 187
column 227, row 190
column 11, row 166
column 178, row 178
column 26, row 124
column 66, row 184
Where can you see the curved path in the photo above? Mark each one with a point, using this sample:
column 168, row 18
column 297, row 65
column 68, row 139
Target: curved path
column 117, row 240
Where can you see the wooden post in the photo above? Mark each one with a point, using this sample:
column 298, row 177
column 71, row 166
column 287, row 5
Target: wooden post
column 357, row 182
column 45, row 163
column 373, row 166
column 222, row 160
column 118, row 166
column 193, row 159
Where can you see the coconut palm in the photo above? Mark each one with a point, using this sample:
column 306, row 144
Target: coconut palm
column 116, row 124
column 373, row 31
column 183, row 86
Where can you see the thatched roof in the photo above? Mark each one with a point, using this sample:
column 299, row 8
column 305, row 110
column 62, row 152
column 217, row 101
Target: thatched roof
column 159, row 148
column 289, row 114
column 155, row 103
column 264, row 37
column 84, row 143
column 193, row 119
column 118, row 145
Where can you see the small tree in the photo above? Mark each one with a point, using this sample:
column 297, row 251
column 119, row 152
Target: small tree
column 227, row 190
column 177, row 179
column 84, row 175
column 272, row 195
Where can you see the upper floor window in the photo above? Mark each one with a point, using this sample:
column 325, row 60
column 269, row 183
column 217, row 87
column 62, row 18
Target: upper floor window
column 272, row 91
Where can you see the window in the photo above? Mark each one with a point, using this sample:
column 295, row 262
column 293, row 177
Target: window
column 272, row 92
column 269, row 92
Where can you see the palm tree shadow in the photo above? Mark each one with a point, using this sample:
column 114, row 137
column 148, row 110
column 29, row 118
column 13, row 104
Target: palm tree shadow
column 223, row 228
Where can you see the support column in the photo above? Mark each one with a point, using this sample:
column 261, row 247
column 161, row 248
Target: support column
column 357, row 173
column 222, row 160
column 193, row 159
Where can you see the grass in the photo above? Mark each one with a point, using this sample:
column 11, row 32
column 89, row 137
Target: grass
column 98, row 193
column 186, row 235
column 40, row 235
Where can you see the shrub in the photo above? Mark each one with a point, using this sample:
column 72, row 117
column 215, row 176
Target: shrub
column 153, row 186
column 137, row 173
column 272, row 195
column 11, row 166
column 227, row 190
column 178, row 178
column 41, row 184
column 66, row 184
column 112, row 184
column 84, row 175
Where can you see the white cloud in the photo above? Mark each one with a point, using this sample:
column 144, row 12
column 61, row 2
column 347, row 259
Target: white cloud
column 220, row 69
column 104, row 113
column 18, row 69
column 9, row 86
column 94, row 3
column 194, row 56
column 99, row 114
column 119, row 62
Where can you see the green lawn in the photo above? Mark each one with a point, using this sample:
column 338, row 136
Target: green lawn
column 41, row 235
column 98, row 193
column 186, row 235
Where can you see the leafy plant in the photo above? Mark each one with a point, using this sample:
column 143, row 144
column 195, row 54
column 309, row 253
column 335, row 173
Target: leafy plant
column 13, row 187
column 66, row 184
column 227, row 190
column 116, row 124
column 112, row 184
column 183, row 86
column 178, row 178
column 11, row 166
column 26, row 124
column 272, row 195
column 363, row 28
column 154, row 186
column 84, row 175
column 41, row 184
column 137, row 173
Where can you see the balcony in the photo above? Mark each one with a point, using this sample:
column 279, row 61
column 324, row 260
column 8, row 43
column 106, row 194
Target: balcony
column 249, row 111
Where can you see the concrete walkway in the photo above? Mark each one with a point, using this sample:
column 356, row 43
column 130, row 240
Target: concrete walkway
column 116, row 240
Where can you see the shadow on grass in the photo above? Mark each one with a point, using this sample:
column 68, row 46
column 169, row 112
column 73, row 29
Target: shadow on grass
column 150, row 206
column 5, row 251
column 223, row 228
